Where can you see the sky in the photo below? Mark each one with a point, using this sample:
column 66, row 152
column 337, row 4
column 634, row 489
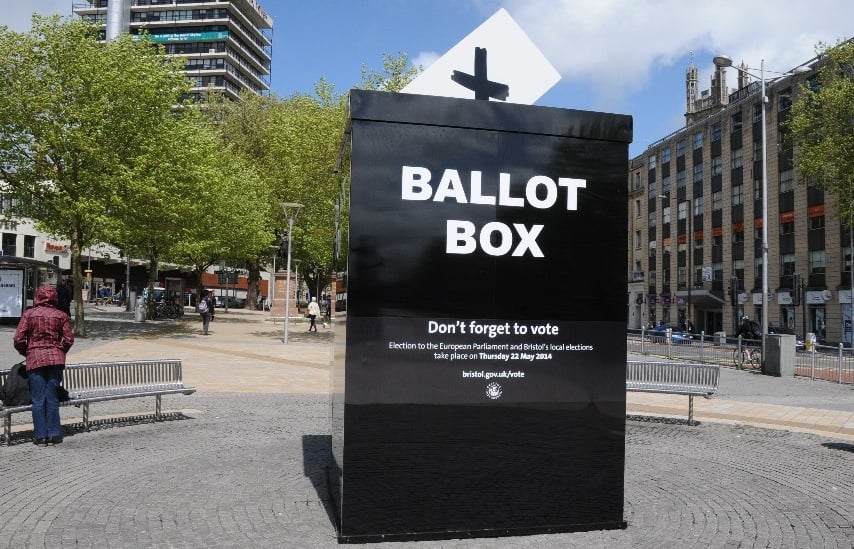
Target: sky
column 618, row 56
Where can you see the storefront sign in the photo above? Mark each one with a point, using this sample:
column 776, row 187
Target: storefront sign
column 52, row 248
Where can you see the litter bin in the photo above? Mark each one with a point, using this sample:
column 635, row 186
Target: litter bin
column 720, row 338
column 140, row 309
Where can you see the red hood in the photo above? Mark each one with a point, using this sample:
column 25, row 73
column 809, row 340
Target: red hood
column 46, row 295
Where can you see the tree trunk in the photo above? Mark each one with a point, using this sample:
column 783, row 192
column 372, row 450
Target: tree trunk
column 152, row 278
column 77, row 275
column 254, row 284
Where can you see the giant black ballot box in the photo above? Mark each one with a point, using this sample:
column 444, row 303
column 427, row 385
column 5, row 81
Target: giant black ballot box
column 479, row 377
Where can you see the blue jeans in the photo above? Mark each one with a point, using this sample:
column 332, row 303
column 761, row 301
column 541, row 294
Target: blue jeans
column 43, row 384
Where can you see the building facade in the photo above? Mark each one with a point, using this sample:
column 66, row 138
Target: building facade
column 227, row 45
column 695, row 220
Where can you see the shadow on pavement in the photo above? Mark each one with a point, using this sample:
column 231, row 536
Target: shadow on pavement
column 71, row 429
column 845, row 447
column 316, row 453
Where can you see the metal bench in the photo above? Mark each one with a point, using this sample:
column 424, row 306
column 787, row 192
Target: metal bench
column 680, row 378
column 99, row 381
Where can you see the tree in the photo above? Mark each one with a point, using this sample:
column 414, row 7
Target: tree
column 822, row 127
column 395, row 75
column 76, row 117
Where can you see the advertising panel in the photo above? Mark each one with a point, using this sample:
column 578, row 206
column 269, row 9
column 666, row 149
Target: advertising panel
column 482, row 387
column 11, row 293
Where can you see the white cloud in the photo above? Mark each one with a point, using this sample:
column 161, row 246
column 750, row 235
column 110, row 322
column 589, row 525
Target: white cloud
column 425, row 59
column 17, row 15
column 616, row 45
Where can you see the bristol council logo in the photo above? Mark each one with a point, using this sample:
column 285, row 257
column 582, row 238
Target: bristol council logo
column 493, row 390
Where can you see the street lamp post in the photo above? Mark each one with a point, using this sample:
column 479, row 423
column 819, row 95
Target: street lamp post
column 291, row 210
column 724, row 61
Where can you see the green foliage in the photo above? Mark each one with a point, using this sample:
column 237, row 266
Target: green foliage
column 78, row 118
column 395, row 75
column 822, row 127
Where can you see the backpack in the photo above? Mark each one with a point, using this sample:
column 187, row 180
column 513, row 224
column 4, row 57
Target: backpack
column 203, row 305
column 16, row 390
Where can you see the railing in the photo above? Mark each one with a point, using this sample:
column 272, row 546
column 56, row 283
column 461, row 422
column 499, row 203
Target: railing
column 827, row 363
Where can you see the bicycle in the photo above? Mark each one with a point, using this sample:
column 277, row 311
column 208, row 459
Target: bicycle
column 747, row 357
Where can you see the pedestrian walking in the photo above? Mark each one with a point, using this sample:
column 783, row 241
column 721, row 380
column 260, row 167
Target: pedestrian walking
column 206, row 310
column 44, row 336
column 313, row 312
column 64, row 295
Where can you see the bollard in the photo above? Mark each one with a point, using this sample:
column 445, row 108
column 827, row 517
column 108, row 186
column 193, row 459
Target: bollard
column 139, row 314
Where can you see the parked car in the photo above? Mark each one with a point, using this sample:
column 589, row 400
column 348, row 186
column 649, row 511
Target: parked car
column 233, row 302
column 659, row 335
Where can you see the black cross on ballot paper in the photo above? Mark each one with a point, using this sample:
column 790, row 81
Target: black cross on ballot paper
column 483, row 88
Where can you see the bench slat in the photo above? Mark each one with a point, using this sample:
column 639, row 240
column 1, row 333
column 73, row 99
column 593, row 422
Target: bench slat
column 101, row 381
column 680, row 378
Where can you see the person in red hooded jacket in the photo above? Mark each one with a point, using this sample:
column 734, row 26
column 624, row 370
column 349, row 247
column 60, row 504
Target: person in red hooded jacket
column 44, row 336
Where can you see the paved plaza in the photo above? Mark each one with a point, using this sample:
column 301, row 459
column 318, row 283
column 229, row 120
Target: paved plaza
column 240, row 463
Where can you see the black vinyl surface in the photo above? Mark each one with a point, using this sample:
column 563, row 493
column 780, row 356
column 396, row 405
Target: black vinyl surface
column 481, row 390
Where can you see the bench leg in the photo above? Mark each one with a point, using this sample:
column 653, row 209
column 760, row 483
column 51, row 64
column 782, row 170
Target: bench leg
column 690, row 409
column 7, row 429
column 86, row 416
column 157, row 414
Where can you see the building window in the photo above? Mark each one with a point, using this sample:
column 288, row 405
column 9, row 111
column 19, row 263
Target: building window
column 699, row 203
column 787, row 227
column 735, row 123
column 665, row 155
column 680, row 179
column 757, row 189
column 817, row 262
column 652, row 193
column 757, row 151
column 637, row 207
column 698, row 140
column 698, row 172
column 717, row 201
column 757, row 268
column 682, row 211
column 787, row 181
column 717, row 271
column 637, row 240
column 816, row 223
column 680, row 148
column 738, row 269
column 738, row 237
column 29, row 246
column 716, row 132
column 9, row 244
column 665, row 185
column 652, row 162
column 785, row 100
column 665, row 215
column 846, row 258
column 787, row 264
column 637, row 180
column 651, row 222
column 717, row 241
column 716, row 165
column 737, row 195
column 757, row 113
column 737, row 159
